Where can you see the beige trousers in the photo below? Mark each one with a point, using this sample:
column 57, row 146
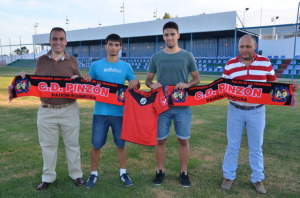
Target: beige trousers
column 49, row 123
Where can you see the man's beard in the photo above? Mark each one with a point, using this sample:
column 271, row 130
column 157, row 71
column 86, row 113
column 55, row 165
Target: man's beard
column 248, row 57
column 170, row 46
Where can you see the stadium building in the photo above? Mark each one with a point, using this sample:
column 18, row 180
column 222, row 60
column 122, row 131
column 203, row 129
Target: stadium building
column 212, row 38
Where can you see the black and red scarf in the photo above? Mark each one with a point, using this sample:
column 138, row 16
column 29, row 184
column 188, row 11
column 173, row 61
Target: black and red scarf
column 101, row 91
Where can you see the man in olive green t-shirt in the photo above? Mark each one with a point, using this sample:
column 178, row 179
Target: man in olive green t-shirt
column 173, row 66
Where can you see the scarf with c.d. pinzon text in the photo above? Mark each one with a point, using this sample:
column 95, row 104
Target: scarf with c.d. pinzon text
column 106, row 92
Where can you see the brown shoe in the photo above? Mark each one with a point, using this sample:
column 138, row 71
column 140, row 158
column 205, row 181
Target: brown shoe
column 226, row 185
column 259, row 187
column 43, row 186
column 79, row 182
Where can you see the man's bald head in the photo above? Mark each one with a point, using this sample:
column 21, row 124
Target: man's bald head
column 248, row 36
column 247, row 47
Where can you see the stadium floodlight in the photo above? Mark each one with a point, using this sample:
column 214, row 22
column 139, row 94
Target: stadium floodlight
column 273, row 19
column 246, row 9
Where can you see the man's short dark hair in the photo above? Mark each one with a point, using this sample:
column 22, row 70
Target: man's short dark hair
column 171, row 25
column 113, row 37
column 58, row 29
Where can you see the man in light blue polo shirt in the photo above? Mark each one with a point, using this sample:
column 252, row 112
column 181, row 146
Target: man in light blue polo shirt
column 113, row 70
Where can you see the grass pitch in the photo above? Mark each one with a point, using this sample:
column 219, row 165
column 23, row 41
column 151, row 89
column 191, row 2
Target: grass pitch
column 21, row 160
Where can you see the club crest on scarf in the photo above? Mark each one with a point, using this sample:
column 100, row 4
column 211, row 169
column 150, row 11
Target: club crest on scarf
column 120, row 94
column 179, row 95
column 280, row 94
column 22, row 85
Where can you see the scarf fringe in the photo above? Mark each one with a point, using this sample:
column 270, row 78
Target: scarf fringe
column 10, row 93
column 293, row 101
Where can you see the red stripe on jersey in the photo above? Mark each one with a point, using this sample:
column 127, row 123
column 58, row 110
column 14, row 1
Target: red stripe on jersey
column 271, row 78
column 231, row 61
column 261, row 68
column 260, row 58
column 251, row 78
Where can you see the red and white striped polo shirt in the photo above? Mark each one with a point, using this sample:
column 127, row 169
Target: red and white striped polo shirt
column 260, row 70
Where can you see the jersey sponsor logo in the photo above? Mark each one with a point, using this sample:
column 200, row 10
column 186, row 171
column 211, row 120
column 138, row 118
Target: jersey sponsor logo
column 22, row 85
column 143, row 101
column 179, row 95
column 280, row 94
column 114, row 70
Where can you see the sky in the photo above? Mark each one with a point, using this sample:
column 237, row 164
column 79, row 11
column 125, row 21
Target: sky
column 18, row 17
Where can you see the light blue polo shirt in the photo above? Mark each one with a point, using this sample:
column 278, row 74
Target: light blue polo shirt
column 118, row 73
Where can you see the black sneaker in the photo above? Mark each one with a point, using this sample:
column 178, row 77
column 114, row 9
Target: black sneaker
column 126, row 180
column 159, row 177
column 184, row 179
column 91, row 181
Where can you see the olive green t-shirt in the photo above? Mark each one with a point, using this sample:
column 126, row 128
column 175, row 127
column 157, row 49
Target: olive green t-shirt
column 172, row 68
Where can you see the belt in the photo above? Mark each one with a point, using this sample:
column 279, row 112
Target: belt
column 245, row 107
column 52, row 106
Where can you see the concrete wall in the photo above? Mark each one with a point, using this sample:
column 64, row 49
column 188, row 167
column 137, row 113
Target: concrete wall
column 279, row 47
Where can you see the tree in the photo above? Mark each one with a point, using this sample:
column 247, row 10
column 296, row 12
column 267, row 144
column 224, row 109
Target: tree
column 21, row 51
column 167, row 16
column 17, row 51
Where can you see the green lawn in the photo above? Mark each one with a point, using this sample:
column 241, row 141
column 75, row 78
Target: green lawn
column 21, row 160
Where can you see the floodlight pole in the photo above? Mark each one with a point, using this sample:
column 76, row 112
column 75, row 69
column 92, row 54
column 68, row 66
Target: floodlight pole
column 296, row 31
column 155, row 14
column 123, row 10
column 36, row 25
column 273, row 19
column 260, row 35
column 67, row 22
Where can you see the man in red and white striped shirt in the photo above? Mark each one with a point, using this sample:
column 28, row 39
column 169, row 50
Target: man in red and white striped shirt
column 246, row 66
